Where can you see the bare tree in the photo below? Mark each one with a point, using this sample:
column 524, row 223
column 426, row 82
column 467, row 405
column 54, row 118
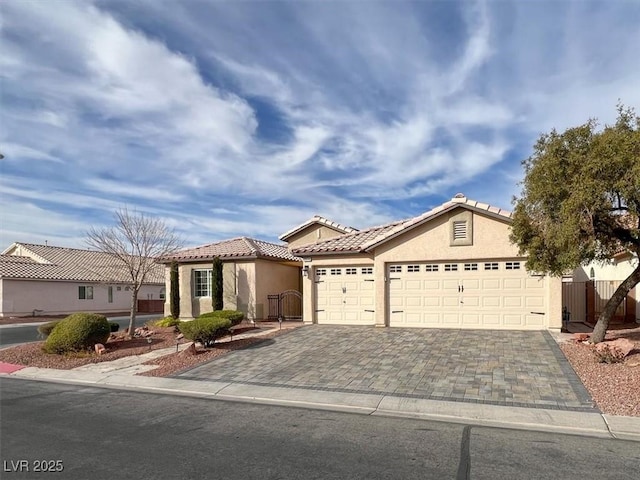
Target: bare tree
column 135, row 241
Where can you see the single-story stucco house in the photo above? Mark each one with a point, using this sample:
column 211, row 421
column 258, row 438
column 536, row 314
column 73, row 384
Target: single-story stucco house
column 43, row 279
column 451, row 267
column 252, row 270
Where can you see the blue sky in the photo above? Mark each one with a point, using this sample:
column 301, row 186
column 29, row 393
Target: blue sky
column 247, row 118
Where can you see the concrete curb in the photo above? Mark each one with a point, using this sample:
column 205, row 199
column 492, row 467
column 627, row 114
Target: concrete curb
column 535, row 419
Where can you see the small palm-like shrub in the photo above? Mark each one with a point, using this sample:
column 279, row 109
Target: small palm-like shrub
column 44, row 330
column 114, row 326
column 77, row 332
column 166, row 322
column 205, row 329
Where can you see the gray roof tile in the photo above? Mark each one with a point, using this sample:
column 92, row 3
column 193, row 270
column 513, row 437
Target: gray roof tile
column 235, row 248
column 61, row 263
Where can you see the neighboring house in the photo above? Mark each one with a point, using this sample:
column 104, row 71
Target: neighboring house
column 451, row 267
column 252, row 270
column 314, row 230
column 602, row 279
column 41, row 279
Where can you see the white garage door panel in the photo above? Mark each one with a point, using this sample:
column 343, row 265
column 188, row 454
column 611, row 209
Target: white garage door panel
column 490, row 301
column 344, row 297
column 534, row 320
column 502, row 298
column 491, row 284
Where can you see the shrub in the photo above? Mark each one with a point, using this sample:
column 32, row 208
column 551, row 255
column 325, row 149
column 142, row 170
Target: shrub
column 165, row 322
column 217, row 299
column 114, row 326
column 45, row 329
column 77, row 332
column 234, row 316
column 174, row 290
column 205, row 329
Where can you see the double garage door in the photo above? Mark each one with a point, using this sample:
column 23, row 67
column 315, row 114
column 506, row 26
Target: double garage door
column 466, row 295
column 478, row 294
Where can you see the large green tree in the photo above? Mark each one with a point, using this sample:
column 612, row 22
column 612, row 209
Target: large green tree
column 580, row 202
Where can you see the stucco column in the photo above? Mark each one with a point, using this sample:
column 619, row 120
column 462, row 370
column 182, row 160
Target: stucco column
column 554, row 302
column 380, row 293
column 186, row 307
column 308, row 296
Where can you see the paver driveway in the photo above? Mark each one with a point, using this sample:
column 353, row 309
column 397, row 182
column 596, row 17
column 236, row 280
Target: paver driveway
column 497, row 367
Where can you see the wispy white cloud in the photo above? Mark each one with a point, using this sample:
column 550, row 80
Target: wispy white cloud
column 247, row 118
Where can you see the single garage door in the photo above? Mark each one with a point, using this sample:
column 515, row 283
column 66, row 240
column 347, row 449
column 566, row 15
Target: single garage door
column 345, row 295
column 477, row 294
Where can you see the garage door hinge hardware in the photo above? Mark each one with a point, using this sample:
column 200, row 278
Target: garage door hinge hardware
column 460, row 288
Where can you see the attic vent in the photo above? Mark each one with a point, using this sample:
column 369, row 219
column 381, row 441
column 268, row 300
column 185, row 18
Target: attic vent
column 459, row 230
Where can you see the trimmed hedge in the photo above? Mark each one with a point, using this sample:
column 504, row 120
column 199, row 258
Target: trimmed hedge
column 205, row 329
column 45, row 329
column 77, row 332
column 234, row 316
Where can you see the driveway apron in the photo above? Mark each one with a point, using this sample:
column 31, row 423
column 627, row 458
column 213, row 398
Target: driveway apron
column 514, row 368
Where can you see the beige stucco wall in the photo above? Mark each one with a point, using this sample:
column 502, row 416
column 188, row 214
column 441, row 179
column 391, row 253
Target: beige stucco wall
column 238, row 289
column 246, row 285
column 312, row 234
column 274, row 278
column 432, row 241
column 22, row 297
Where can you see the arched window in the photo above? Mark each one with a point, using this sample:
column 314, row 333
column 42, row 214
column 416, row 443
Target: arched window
column 592, row 273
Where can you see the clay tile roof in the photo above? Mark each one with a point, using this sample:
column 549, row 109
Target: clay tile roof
column 351, row 242
column 320, row 220
column 372, row 237
column 43, row 262
column 235, row 248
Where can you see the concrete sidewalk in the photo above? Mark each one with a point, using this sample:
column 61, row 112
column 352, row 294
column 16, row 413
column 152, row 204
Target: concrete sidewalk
column 559, row 421
column 121, row 374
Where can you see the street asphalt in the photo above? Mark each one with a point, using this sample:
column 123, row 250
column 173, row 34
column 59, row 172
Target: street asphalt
column 89, row 433
column 568, row 419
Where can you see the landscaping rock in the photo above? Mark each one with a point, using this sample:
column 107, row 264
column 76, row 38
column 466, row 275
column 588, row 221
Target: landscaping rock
column 189, row 351
column 623, row 345
column 100, row 348
column 580, row 337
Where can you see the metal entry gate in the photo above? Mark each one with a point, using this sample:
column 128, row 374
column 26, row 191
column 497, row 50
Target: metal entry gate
column 286, row 305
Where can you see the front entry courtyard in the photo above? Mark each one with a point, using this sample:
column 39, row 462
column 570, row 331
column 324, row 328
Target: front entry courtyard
column 514, row 368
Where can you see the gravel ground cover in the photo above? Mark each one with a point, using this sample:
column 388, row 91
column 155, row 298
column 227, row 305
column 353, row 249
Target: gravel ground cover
column 614, row 387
